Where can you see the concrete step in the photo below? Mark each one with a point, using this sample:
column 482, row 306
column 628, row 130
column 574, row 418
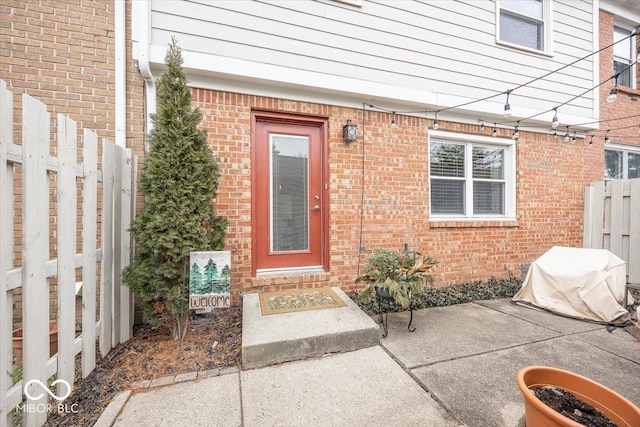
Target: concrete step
column 279, row 338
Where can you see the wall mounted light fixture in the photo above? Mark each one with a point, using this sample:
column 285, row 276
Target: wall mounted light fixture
column 349, row 132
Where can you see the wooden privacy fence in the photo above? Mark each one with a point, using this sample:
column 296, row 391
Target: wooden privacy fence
column 612, row 221
column 45, row 190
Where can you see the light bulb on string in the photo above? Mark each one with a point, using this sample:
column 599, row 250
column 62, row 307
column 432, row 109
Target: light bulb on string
column 554, row 122
column 613, row 95
column 495, row 130
column 507, row 106
column 591, row 140
column 566, row 135
column 516, row 133
column 436, row 125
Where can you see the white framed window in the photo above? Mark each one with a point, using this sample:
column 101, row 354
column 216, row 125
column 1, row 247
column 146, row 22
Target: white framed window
column 525, row 24
column 471, row 177
column 621, row 162
column 623, row 56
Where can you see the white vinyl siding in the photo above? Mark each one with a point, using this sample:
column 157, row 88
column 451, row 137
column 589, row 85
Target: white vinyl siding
column 471, row 176
column 445, row 50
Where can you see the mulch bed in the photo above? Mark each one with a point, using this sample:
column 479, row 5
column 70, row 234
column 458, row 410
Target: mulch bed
column 214, row 340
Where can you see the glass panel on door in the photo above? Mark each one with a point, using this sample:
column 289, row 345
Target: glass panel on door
column 289, row 198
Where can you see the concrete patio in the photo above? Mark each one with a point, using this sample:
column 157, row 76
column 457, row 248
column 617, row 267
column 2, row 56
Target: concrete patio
column 457, row 368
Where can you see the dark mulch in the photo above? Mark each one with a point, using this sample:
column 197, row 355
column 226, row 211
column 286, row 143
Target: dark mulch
column 214, row 340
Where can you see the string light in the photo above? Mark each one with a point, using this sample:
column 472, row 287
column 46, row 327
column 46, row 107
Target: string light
column 555, row 135
column 574, row 137
column 507, row 106
column 508, row 92
column 606, row 137
column 435, row 121
column 393, row 119
column 495, row 130
column 591, row 140
column 516, row 133
column 554, row 122
column 566, row 135
column 481, row 125
column 614, row 91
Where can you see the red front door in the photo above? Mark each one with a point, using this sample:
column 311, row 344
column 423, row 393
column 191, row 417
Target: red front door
column 288, row 194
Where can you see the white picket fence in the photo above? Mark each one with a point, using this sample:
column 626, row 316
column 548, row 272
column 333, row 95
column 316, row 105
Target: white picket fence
column 612, row 221
column 100, row 266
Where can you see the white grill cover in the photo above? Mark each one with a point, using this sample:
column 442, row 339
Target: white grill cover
column 576, row 282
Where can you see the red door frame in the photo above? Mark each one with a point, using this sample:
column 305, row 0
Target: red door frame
column 294, row 119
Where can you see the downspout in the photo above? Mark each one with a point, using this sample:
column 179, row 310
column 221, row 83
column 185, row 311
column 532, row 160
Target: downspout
column 144, row 37
column 120, row 74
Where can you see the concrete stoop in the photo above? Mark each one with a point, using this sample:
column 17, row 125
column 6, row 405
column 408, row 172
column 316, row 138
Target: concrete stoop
column 279, row 338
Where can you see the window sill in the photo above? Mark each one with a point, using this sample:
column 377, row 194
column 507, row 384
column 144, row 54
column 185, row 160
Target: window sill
column 545, row 52
column 631, row 92
column 473, row 223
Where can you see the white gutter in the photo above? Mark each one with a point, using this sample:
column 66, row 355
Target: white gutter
column 142, row 16
column 596, row 59
column 120, row 74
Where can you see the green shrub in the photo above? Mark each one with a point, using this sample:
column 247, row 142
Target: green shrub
column 449, row 295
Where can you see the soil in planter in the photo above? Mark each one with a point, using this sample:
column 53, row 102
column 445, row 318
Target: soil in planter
column 571, row 407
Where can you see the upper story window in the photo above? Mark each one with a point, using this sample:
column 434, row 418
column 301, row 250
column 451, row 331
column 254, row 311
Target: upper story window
column 525, row 23
column 621, row 162
column 471, row 176
column 623, row 56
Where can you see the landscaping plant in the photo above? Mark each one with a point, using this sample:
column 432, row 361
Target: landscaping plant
column 179, row 181
column 401, row 274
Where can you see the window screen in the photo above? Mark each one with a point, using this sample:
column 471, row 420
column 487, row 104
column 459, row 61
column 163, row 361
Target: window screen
column 467, row 179
column 522, row 23
column 622, row 56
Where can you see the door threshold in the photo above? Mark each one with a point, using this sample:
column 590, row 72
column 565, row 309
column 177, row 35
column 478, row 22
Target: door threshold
column 289, row 271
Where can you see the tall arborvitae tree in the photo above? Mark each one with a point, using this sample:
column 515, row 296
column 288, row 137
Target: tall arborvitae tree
column 179, row 181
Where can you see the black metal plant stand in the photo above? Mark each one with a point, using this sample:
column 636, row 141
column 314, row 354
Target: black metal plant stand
column 382, row 294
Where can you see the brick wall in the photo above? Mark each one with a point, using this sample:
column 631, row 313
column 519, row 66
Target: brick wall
column 628, row 101
column 62, row 53
column 551, row 176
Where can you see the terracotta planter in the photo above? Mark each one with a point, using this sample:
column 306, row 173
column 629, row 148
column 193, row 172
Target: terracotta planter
column 53, row 341
column 618, row 409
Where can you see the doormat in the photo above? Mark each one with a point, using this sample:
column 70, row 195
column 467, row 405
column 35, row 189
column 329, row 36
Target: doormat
column 299, row 300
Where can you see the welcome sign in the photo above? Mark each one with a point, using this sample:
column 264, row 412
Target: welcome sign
column 209, row 280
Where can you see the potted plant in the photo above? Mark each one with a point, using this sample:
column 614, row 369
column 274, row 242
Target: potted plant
column 394, row 275
column 53, row 341
column 615, row 407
